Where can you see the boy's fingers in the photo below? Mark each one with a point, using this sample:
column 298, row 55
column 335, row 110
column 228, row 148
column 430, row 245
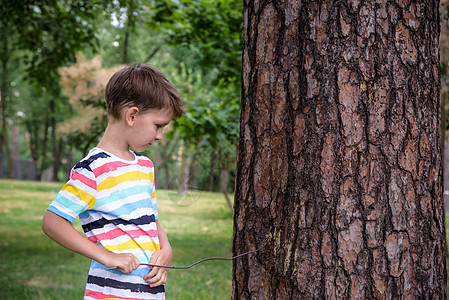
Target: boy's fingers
column 130, row 264
column 157, row 276
column 154, row 258
column 152, row 273
column 136, row 263
column 154, row 261
column 152, row 279
column 158, row 280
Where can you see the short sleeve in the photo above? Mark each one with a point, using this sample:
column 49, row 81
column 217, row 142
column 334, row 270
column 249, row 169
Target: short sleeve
column 154, row 203
column 77, row 195
column 153, row 193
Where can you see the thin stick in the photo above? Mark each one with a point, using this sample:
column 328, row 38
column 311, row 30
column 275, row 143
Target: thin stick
column 203, row 260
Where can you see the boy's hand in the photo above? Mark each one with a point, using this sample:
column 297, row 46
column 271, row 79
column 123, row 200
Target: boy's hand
column 126, row 262
column 158, row 276
column 63, row 233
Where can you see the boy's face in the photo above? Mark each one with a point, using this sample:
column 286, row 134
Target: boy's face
column 147, row 128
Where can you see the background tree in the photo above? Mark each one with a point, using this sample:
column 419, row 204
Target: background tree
column 339, row 176
column 196, row 43
column 42, row 36
column 84, row 82
column 207, row 36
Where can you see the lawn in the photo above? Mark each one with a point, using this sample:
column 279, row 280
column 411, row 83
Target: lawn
column 32, row 266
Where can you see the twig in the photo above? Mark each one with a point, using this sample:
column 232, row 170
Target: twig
column 200, row 261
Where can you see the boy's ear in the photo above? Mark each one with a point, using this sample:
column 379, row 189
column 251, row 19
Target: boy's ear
column 131, row 114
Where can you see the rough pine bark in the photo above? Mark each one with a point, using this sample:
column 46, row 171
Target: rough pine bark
column 339, row 174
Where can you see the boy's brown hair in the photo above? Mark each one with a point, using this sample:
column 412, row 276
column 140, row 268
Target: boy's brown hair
column 144, row 87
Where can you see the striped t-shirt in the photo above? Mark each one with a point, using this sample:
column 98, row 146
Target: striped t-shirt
column 116, row 204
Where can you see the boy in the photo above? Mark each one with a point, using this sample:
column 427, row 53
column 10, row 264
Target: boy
column 112, row 191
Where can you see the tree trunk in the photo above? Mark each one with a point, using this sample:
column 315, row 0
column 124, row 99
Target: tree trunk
column 130, row 19
column 69, row 161
column 153, row 53
column 194, row 170
column 224, row 181
column 15, row 131
column 3, row 91
column 58, row 150
column 167, row 177
column 125, row 44
column 32, row 132
column 339, row 174
column 54, row 142
column 213, row 161
column 43, row 154
column 183, row 185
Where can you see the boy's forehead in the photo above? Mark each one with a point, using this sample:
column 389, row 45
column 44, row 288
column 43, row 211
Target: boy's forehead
column 164, row 114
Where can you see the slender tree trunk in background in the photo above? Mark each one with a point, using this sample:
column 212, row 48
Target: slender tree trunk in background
column 15, row 131
column 3, row 114
column 169, row 147
column 57, row 144
column 163, row 167
column 4, row 146
column 43, row 154
column 69, row 162
column 339, row 174
column 58, row 150
column 153, row 53
column 54, row 142
column 224, row 181
column 3, row 90
column 125, row 45
column 130, row 19
column 185, row 172
column 32, row 142
column 194, row 170
column 167, row 177
column 213, row 161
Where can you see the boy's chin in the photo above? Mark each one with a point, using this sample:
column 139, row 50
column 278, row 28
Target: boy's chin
column 138, row 149
column 141, row 148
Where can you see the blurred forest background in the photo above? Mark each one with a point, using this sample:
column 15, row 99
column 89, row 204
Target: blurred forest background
column 57, row 56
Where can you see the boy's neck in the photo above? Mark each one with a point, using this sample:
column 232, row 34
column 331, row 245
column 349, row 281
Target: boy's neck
column 113, row 141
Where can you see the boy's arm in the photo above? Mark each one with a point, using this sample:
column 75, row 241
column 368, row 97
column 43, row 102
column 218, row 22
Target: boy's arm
column 62, row 232
column 158, row 276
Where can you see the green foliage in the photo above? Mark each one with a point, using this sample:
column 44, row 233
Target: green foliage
column 209, row 118
column 210, row 29
column 210, row 125
column 165, row 159
column 38, row 38
column 196, row 43
column 50, row 31
column 210, row 32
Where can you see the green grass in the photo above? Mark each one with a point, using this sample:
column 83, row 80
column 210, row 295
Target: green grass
column 34, row 267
